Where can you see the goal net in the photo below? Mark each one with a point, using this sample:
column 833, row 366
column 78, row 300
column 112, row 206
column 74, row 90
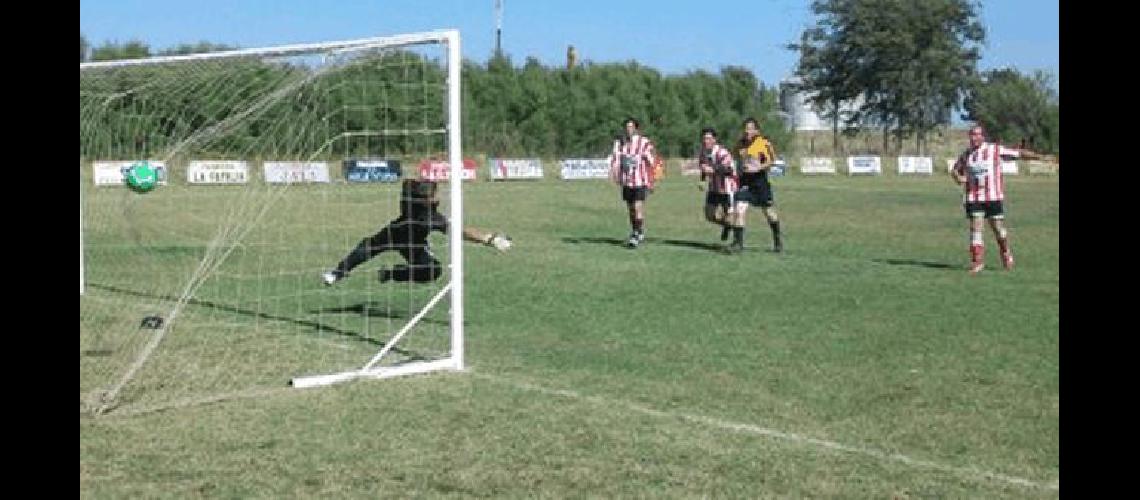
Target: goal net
column 273, row 165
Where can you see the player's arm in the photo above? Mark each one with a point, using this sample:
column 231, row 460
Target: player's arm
column 615, row 161
column 500, row 242
column 649, row 156
column 770, row 155
column 726, row 165
column 704, row 164
column 746, row 163
column 1026, row 154
column 742, row 147
column 958, row 171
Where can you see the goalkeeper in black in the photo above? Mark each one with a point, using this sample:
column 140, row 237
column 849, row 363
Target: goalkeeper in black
column 407, row 234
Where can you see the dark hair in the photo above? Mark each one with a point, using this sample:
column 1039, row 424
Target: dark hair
column 419, row 189
column 708, row 130
column 752, row 120
column 636, row 124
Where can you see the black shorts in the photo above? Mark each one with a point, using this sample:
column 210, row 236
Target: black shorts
column 631, row 195
column 757, row 194
column 722, row 199
column 988, row 209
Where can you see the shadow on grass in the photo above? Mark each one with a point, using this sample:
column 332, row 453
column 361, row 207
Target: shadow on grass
column 699, row 245
column 372, row 310
column 918, row 263
column 318, row 326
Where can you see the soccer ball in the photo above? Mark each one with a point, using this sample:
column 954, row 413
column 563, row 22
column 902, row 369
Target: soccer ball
column 141, row 177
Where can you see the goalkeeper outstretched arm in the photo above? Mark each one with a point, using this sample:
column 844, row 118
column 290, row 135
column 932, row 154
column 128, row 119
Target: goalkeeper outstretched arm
column 500, row 242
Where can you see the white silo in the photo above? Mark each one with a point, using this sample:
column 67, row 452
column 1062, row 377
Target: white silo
column 798, row 112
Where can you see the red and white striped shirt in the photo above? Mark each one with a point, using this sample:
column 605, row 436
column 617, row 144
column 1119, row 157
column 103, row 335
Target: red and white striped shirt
column 721, row 183
column 982, row 169
column 631, row 163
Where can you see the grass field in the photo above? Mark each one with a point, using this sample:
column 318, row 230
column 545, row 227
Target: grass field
column 861, row 363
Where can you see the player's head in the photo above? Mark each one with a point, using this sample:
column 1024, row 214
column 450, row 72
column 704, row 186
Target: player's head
column 631, row 126
column 417, row 190
column 751, row 127
column 708, row 137
column 977, row 135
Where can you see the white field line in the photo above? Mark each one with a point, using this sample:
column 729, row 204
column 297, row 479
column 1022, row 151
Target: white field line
column 972, row 473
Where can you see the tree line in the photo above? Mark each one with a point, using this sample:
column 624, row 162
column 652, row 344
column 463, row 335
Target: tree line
column 509, row 110
column 904, row 67
column 907, row 64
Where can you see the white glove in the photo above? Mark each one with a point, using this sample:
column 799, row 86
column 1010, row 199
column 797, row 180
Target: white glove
column 501, row 242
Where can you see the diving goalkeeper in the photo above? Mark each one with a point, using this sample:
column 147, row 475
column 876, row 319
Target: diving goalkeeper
column 407, row 234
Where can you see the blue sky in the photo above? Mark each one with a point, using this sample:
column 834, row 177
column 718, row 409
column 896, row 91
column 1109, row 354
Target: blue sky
column 672, row 36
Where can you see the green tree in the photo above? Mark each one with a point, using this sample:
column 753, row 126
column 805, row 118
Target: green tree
column 195, row 48
column 532, row 110
column 1015, row 107
column 83, row 48
column 907, row 61
column 827, row 70
column 112, row 51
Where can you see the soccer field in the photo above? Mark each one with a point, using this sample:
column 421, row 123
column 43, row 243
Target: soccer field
column 863, row 362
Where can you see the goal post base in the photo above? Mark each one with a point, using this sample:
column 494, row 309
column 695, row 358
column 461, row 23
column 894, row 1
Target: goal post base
column 376, row 373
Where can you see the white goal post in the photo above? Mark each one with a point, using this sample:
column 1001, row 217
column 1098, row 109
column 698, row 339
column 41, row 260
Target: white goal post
column 455, row 233
column 216, row 273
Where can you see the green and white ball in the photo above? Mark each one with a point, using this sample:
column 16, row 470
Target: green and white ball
column 141, row 177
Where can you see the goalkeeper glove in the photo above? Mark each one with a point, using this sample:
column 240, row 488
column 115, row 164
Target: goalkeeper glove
column 500, row 242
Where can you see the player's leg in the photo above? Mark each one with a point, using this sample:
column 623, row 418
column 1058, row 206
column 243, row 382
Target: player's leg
column 715, row 213
column 639, row 215
column 422, row 267
column 996, row 217
column 763, row 198
column 975, row 213
column 739, row 213
column 712, row 214
column 633, row 199
column 367, row 248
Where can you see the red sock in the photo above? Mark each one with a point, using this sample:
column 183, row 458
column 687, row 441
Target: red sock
column 977, row 253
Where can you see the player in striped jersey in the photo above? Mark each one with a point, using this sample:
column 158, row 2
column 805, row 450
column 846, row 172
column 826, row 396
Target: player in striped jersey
column 631, row 167
column 978, row 171
column 756, row 156
column 717, row 165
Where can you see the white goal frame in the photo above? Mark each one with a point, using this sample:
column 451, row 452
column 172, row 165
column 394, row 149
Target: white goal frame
column 454, row 289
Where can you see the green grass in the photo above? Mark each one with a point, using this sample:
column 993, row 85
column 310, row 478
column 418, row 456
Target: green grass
column 596, row 371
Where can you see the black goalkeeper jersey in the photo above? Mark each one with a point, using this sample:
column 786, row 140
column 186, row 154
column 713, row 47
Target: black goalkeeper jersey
column 419, row 214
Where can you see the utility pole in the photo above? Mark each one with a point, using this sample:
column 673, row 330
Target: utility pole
column 498, row 28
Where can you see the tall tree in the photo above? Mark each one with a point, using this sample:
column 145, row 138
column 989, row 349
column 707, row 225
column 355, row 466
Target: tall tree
column 1015, row 107
column 827, row 71
column 904, row 64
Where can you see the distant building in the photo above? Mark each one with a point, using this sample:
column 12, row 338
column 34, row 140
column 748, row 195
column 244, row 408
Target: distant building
column 798, row 113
